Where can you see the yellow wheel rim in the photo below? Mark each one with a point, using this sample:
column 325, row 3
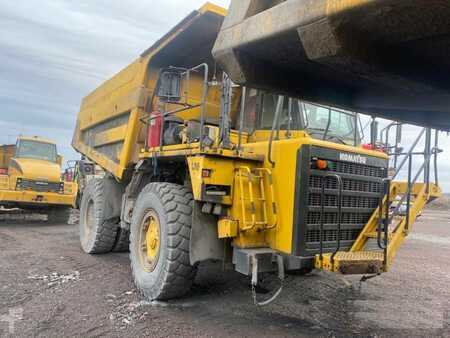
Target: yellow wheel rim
column 150, row 240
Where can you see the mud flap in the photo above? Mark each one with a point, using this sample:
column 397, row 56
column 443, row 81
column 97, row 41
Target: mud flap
column 205, row 243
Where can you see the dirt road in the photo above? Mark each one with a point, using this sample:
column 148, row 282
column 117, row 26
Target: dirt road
column 48, row 287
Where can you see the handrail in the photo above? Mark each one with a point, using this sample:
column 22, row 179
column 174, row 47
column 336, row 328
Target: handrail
column 411, row 149
column 385, row 222
column 252, row 201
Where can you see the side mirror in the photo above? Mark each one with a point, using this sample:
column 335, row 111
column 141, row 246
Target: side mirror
column 59, row 159
column 169, row 89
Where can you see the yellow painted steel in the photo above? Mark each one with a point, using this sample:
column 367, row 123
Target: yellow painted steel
column 149, row 241
column 226, row 163
column 359, row 262
column 340, row 6
column 6, row 152
column 130, row 93
column 227, row 228
column 153, row 238
column 38, row 198
column 207, row 171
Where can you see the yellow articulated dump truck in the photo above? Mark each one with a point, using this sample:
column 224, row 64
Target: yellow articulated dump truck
column 198, row 168
column 30, row 179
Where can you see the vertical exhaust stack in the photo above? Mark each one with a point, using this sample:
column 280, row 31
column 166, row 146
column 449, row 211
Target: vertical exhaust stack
column 383, row 57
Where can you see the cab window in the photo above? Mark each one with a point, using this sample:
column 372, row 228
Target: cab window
column 36, row 150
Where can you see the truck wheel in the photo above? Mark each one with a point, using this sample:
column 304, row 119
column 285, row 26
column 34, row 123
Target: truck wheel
column 98, row 224
column 59, row 215
column 159, row 241
column 122, row 242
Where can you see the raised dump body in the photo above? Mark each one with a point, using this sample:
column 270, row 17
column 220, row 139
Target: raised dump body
column 6, row 152
column 110, row 127
column 387, row 57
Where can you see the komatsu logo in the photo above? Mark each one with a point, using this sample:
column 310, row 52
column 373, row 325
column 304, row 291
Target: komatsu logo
column 353, row 158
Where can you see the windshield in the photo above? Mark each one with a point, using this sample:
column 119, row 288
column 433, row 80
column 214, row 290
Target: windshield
column 36, row 150
column 319, row 121
column 330, row 124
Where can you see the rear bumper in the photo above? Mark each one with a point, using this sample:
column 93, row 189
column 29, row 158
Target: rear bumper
column 36, row 198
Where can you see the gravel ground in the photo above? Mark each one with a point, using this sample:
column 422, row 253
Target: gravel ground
column 48, row 287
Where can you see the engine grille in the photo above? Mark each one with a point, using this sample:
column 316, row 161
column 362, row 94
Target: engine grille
column 362, row 186
column 40, row 186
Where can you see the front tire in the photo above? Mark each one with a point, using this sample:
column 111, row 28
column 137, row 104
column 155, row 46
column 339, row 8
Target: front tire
column 159, row 241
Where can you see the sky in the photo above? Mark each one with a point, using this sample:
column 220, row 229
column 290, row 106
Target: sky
column 54, row 52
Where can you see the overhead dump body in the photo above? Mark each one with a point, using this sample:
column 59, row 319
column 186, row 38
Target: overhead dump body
column 382, row 57
column 110, row 130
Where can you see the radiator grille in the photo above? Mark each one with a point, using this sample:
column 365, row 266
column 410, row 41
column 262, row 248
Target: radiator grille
column 331, row 235
column 347, row 201
column 356, row 169
column 362, row 186
column 40, row 186
column 358, row 185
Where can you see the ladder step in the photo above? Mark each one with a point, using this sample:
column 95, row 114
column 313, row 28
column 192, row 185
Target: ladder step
column 375, row 235
column 352, row 263
column 257, row 223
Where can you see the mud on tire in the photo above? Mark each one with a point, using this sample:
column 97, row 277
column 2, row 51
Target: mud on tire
column 171, row 275
column 99, row 216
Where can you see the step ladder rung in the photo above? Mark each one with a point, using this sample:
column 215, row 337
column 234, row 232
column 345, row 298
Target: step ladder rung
column 375, row 235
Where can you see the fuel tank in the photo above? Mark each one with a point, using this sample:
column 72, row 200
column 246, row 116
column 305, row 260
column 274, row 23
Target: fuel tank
column 389, row 58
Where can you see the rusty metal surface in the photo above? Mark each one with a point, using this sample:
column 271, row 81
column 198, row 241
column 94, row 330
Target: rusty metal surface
column 388, row 57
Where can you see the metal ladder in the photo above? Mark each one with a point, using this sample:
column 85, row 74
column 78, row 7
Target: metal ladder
column 253, row 184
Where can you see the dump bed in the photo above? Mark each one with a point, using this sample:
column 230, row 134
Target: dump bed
column 6, row 152
column 387, row 57
column 110, row 130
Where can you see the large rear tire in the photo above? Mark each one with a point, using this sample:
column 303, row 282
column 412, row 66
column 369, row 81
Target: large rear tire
column 159, row 241
column 99, row 223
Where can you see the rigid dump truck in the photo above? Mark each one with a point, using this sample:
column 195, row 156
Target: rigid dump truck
column 199, row 168
column 30, row 179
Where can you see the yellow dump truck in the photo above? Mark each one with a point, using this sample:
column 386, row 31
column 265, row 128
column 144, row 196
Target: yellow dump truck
column 30, row 179
column 198, row 168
